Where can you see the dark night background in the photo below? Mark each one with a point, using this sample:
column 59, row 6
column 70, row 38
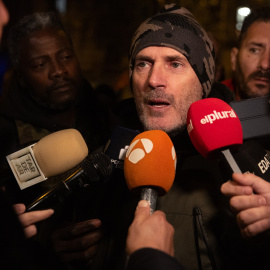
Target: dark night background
column 102, row 29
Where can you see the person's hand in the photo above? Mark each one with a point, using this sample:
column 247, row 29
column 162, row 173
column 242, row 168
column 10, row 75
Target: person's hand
column 29, row 219
column 250, row 200
column 77, row 242
column 152, row 231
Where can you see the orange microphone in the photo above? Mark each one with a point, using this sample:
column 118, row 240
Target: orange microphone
column 150, row 164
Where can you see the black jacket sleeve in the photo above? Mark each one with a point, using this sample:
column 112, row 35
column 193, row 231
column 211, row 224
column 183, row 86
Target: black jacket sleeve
column 148, row 258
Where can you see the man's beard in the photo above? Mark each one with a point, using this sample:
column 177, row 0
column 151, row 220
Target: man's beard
column 54, row 106
column 176, row 131
column 244, row 90
column 171, row 131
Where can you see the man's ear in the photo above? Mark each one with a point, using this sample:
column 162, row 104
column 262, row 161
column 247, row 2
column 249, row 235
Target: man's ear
column 234, row 53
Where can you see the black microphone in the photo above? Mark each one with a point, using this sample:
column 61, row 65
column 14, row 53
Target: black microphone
column 255, row 121
column 92, row 169
column 118, row 144
column 251, row 157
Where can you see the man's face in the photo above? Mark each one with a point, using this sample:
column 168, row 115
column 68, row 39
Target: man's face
column 251, row 63
column 164, row 86
column 49, row 69
column 4, row 17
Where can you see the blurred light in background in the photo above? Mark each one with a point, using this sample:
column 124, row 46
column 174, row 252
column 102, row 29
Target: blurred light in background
column 241, row 13
column 61, row 6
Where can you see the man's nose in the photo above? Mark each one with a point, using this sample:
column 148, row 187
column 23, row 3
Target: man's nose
column 157, row 76
column 57, row 70
column 265, row 60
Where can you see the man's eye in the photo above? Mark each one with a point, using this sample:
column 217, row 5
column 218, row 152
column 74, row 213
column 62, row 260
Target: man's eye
column 254, row 50
column 176, row 64
column 38, row 66
column 66, row 57
column 141, row 64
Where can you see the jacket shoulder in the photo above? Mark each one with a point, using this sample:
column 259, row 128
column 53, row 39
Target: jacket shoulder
column 221, row 91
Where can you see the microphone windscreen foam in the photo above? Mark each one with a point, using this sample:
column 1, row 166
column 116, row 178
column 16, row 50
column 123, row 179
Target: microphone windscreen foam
column 213, row 126
column 150, row 161
column 60, row 151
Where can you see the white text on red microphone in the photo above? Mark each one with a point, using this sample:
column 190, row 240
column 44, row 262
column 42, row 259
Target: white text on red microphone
column 210, row 118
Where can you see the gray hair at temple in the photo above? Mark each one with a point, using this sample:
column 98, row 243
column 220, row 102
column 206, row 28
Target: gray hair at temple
column 176, row 28
column 28, row 25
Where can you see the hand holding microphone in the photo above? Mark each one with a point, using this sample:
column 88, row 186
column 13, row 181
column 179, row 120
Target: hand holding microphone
column 77, row 242
column 213, row 129
column 54, row 155
column 250, row 200
column 28, row 220
column 150, row 231
column 150, row 165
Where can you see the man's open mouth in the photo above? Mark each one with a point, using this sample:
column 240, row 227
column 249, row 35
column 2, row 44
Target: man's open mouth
column 158, row 103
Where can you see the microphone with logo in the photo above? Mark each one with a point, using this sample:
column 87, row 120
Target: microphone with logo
column 54, row 155
column 118, row 144
column 215, row 129
column 251, row 157
column 150, row 165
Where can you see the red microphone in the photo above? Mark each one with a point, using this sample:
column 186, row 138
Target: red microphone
column 214, row 128
column 150, row 165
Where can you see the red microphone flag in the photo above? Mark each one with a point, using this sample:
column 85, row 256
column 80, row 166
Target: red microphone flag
column 213, row 126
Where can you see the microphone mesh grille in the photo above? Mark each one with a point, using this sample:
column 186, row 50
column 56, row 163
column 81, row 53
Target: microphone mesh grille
column 97, row 166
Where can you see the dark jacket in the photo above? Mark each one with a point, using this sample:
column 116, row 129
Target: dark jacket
column 17, row 252
column 24, row 122
column 206, row 234
column 148, row 258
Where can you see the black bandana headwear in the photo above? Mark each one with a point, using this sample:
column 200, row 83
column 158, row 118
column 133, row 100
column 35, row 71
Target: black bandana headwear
column 176, row 28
